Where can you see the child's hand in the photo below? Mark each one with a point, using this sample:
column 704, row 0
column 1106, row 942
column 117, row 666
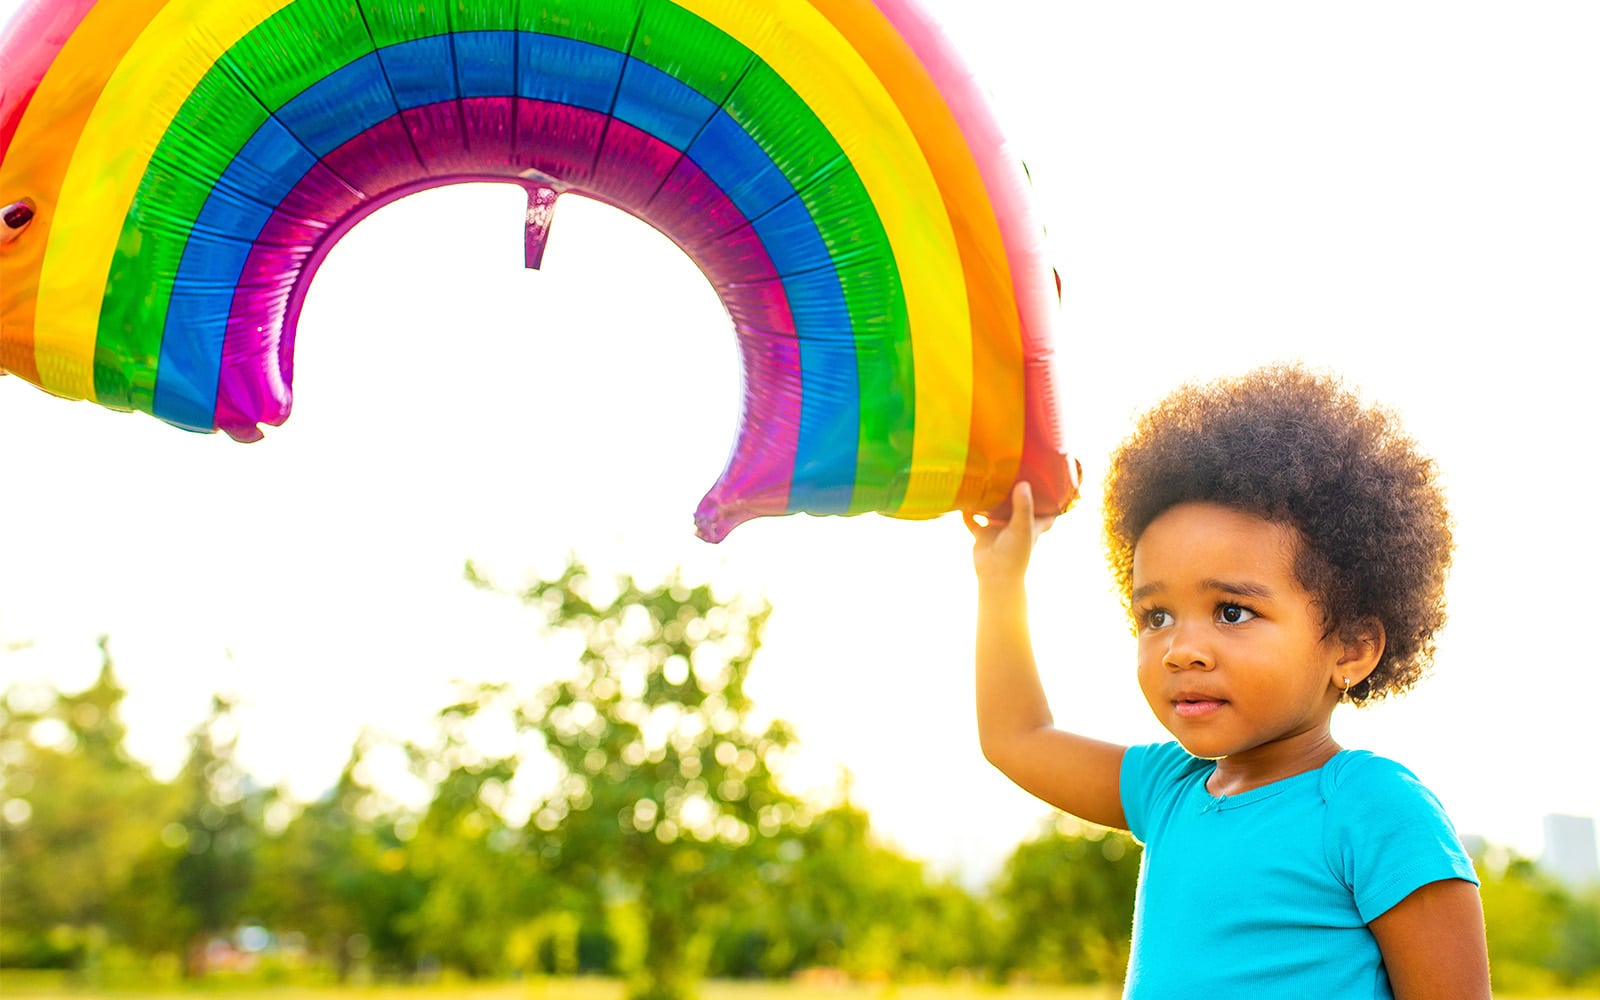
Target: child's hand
column 1000, row 549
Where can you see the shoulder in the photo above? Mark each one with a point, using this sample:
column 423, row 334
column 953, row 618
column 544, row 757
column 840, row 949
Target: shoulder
column 1361, row 783
column 1160, row 763
column 1358, row 772
column 1386, row 832
column 1370, row 795
column 1152, row 774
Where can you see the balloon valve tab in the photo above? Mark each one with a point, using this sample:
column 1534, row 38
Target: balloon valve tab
column 14, row 218
column 541, row 207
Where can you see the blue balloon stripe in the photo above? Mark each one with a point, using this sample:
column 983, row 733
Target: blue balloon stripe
column 654, row 102
column 346, row 102
column 740, row 166
column 197, row 323
column 268, row 166
column 486, row 62
column 264, row 172
column 566, row 71
column 418, row 73
column 413, row 70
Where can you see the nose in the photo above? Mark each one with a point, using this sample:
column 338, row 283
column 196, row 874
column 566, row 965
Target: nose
column 1187, row 649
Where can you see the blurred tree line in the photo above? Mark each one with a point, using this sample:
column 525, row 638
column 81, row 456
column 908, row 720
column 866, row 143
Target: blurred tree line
column 656, row 842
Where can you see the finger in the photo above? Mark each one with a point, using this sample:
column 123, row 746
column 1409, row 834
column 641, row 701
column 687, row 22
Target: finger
column 1022, row 502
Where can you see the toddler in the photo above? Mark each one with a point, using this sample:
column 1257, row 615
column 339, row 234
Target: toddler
column 1281, row 548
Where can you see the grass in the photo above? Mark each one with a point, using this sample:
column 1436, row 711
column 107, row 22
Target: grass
column 28, row 986
column 32, row 986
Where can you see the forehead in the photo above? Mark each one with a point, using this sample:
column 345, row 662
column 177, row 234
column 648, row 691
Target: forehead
column 1207, row 541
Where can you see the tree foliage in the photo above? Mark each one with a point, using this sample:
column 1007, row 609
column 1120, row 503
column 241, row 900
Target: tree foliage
column 81, row 820
column 336, row 875
column 214, row 833
column 633, row 823
column 667, row 804
column 841, row 898
column 1543, row 936
column 1070, row 868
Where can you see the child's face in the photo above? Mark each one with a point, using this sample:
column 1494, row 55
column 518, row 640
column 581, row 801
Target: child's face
column 1232, row 654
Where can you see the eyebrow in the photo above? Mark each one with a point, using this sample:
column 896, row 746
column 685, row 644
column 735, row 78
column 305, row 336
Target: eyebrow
column 1238, row 587
column 1242, row 588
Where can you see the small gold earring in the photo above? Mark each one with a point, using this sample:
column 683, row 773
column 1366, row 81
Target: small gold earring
column 1344, row 692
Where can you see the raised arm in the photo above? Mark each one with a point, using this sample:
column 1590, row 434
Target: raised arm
column 1075, row 774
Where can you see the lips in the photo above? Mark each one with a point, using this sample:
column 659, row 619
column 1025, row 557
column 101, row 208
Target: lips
column 1192, row 705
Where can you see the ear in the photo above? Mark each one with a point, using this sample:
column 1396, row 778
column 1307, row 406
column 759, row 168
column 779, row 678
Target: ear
column 1362, row 645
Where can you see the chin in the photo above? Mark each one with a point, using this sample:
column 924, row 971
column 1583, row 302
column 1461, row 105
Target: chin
column 1199, row 745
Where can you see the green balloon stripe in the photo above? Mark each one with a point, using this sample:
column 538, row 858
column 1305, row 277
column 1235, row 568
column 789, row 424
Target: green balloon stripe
column 311, row 39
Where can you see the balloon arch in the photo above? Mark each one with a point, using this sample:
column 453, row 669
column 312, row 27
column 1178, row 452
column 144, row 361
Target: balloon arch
column 828, row 164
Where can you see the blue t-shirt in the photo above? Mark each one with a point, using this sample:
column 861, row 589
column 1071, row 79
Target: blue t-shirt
column 1268, row 893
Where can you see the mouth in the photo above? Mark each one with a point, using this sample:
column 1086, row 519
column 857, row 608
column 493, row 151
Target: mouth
column 1196, row 706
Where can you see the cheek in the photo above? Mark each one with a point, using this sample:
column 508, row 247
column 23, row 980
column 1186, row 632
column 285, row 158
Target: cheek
column 1151, row 650
column 1151, row 665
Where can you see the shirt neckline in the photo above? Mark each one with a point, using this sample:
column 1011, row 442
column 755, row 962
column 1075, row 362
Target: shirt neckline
column 1220, row 803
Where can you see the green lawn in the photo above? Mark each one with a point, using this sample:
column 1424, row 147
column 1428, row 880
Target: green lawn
column 20, row 986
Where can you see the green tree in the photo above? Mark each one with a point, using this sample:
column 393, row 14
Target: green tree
column 667, row 803
column 216, row 834
column 338, row 875
column 1542, row 936
column 1067, row 898
column 77, row 816
column 834, row 896
column 481, row 889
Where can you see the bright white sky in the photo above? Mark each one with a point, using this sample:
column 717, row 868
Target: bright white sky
column 1402, row 191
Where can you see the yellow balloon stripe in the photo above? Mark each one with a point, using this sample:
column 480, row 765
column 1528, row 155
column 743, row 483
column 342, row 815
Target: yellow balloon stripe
column 794, row 38
column 186, row 37
column 999, row 425
column 135, row 110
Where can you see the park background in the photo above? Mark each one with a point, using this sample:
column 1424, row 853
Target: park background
column 1401, row 192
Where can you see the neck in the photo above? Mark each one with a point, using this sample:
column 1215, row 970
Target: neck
column 1269, row 762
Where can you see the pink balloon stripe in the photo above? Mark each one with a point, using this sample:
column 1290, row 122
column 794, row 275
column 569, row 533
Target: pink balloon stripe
column 464, row 141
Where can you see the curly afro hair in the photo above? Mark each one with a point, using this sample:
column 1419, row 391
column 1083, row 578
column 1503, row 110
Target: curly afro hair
column 1296, row 448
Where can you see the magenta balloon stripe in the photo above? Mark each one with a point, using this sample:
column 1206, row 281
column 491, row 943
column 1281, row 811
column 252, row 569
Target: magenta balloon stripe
column 454, row 141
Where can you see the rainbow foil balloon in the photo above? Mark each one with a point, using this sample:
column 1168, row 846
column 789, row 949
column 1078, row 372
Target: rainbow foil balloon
column 828, row 164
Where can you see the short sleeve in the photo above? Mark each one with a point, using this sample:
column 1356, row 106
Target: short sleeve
column 1151, row 773
column 1387, row 834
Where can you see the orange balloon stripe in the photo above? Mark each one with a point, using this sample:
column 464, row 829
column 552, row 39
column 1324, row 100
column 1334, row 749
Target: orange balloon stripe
column 996, row 426
column 33, row 40
column 61, row 105
column 1035, row 287
column 996, row 429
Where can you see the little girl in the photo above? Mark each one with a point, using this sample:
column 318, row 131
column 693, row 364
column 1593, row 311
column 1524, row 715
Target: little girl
column 1281, row 548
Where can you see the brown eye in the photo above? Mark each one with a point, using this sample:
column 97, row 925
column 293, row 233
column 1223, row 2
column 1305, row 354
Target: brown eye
column 1235, row 614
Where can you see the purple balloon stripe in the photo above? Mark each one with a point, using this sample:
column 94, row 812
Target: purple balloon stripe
column 440, row 140
column 559, row 141
column 463, row 141
column 634, row 165
column 252, row 388
column 491, row 131
column 320, row 198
